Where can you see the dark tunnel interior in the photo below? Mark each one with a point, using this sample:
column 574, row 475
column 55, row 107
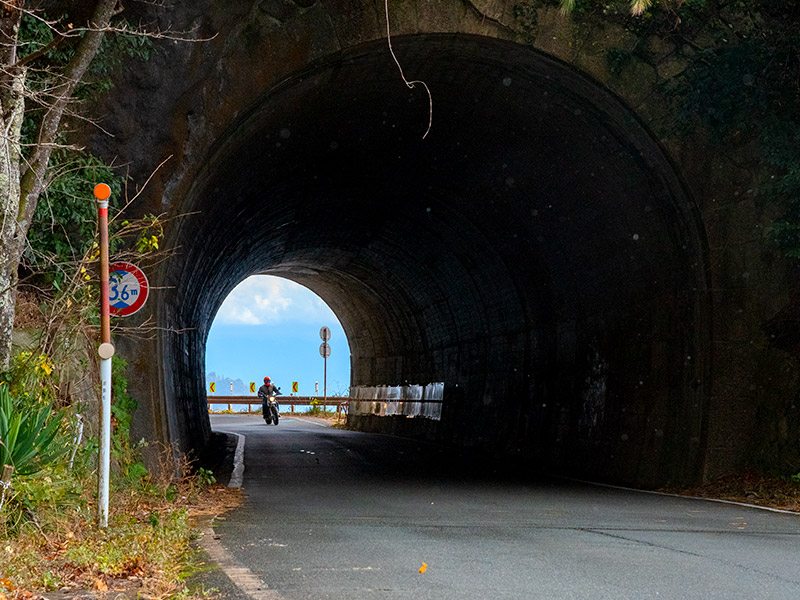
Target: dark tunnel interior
column 536, row 252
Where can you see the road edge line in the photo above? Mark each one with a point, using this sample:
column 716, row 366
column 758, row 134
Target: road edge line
column 657, row 493
column 242, row 577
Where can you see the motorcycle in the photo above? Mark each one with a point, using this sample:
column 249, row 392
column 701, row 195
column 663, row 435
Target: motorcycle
column 269, row 408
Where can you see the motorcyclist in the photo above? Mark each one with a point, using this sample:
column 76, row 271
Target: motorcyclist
column 265, row 391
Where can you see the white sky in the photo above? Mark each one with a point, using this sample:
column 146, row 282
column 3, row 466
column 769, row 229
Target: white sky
column 266, row 300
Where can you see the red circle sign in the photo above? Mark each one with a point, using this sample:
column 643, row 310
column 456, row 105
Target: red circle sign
column 127, row 289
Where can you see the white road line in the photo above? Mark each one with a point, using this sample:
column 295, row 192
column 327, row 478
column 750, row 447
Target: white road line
column 301, row 420
column 242, row 577
column 656, row 493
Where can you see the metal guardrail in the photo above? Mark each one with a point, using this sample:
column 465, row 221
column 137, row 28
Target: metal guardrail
column 291, row 401
column 341, row 403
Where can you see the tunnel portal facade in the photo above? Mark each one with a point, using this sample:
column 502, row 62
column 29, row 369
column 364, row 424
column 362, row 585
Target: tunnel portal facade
column 538, row 252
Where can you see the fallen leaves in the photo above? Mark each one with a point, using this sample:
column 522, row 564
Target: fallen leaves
column 423, row 568
column 99, row 585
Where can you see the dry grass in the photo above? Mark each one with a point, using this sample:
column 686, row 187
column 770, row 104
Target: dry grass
column 27, row 312
column 145, row 552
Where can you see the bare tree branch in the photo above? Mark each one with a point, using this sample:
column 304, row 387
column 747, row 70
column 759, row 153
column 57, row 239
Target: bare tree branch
column 33, row 180
column 40, row 52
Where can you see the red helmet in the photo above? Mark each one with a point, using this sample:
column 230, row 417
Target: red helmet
column 267, row 380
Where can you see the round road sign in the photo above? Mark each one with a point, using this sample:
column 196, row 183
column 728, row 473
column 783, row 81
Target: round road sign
column 324, row 350
column 127, row 289
column 325, row 334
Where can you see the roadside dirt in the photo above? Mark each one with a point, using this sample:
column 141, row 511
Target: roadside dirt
column 749, row 488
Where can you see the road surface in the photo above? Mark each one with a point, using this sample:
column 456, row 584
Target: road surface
column 345, row 515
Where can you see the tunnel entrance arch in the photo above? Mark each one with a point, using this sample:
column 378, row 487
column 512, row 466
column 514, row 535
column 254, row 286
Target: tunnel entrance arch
column 270, row 326
column 537, row 252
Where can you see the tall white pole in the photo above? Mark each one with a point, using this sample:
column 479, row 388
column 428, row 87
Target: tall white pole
column 102, row 192
column 105, row 440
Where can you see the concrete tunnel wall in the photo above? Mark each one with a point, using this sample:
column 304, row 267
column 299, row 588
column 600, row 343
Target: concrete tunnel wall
column 537, row 253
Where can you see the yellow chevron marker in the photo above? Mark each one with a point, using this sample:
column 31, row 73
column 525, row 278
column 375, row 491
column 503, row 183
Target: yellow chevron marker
column 213, row 386
column 252, row 387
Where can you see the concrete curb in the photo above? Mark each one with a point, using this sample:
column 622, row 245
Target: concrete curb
column 238, row 460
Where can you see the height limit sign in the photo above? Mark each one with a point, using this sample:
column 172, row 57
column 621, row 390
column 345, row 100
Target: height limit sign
column 127, row 289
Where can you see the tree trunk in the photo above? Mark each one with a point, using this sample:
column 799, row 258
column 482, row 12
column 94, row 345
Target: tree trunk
column 11, row 243
column 20, row 188
column 12, row 109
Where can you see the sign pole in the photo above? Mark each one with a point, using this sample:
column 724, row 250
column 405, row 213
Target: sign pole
column 102, row 192
column 325, row 350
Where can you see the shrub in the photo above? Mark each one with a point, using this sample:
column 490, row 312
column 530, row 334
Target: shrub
column 28, row 433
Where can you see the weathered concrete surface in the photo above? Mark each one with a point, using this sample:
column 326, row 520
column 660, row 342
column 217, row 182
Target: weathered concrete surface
column 588, row 297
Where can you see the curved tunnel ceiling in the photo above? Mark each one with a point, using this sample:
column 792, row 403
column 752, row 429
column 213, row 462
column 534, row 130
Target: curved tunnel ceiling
column 538, row 225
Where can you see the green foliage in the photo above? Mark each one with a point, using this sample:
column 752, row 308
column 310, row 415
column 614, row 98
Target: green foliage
column 742, row 88
column 617, row 59
column 741, row 85
column 745, row 88
column 29, row 374
column 526, row 18
column 128, row 545
column 171, row 493
column 205, row 477
column 122, row 411
column 115, row 49
column 632, row 7
column 29, row 433
column 135, row 472
column 34, row 35
column 51, row 489
column 152, row 230
column 317, row 408
column 65, row 220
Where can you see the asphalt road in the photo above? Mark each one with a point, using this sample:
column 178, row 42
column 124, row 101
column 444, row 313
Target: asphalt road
column 345, row 515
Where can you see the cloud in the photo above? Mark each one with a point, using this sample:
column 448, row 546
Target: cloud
column 267, row 300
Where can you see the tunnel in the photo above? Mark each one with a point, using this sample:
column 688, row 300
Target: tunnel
column 536, row 253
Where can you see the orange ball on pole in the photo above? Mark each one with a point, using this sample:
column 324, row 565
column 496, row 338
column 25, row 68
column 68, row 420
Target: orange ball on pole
column 102, row 191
